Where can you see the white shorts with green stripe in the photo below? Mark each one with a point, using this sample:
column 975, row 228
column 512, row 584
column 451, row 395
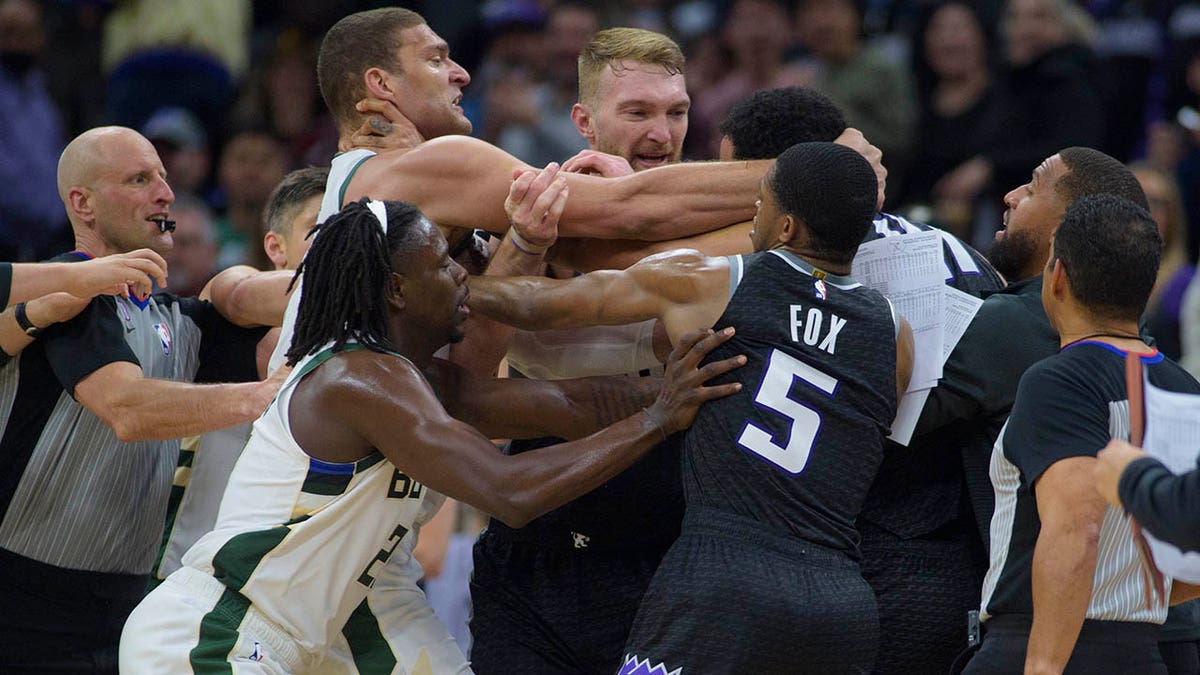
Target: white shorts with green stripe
column 192, row 623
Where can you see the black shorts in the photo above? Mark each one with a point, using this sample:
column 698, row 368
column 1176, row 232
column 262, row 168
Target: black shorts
column 733, row 596
column 925, row 588
column 538, row 610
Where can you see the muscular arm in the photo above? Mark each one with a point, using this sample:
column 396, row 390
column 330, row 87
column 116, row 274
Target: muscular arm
column 387, row 404
column 534, row 205
column 1064, row 561
column 247, row 297
column 138, row 408
column 586, row 255
column 522, row 408
column 652, row 289
column 461, row 182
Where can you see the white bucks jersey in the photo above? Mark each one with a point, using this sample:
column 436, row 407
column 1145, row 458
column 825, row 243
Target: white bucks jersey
column 305, row 540
column 341, row 170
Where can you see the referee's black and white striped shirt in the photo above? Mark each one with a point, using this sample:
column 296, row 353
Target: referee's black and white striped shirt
column 1068, row 405
column 71, row 494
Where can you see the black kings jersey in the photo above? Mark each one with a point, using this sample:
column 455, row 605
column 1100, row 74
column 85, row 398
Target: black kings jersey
column 798, row 447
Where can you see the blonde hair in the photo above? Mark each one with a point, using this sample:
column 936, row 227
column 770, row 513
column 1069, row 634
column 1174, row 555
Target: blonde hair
column 609, row 47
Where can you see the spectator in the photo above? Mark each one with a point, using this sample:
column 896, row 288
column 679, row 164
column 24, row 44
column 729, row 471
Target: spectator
column 251, row 165
column 874, row 91
column 182, row 143
column 1175, row 272
column 282, row 93
column 757, row 35
column 187, row 53
column 1054, row 95
column 543, row 132
column 960, row 115
column 30, row 138
column 192, row 261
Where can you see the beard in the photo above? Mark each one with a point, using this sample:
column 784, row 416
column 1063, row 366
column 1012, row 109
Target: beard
column 1012, row 253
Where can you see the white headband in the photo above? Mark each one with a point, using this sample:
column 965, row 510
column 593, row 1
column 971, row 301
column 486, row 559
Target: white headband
column 380, row 211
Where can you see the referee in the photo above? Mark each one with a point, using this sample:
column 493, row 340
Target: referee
column 1064, row 591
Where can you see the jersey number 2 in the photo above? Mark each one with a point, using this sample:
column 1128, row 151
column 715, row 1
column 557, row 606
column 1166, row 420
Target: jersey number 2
column 782, row 372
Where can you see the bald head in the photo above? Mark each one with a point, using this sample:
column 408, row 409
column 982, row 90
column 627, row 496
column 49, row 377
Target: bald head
column 90, row 152
column 114, row 187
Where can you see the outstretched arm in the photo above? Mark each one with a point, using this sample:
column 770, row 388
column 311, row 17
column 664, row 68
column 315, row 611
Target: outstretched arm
column 247, row 297
column 456, row 460
column 139, row 408
column 521, row 408
column 461, row 182
column 648, row 290
column 118, row 274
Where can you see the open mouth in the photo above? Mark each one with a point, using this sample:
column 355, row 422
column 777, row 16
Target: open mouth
column 163, row 223
column 652, row 159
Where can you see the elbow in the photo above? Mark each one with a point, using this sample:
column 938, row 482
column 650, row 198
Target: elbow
column 123, row 422
column 127, row 430
column 514, row 510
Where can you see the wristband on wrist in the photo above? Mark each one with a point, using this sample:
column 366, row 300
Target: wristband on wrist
column 524, row 245
column 24, row 322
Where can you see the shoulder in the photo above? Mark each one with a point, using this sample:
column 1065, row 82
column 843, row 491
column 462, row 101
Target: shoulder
column 683, row 270
column 688, row 258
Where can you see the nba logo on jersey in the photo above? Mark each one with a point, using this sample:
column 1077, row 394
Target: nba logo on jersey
column 164, row 337
column 256, row 655
column 819, row 289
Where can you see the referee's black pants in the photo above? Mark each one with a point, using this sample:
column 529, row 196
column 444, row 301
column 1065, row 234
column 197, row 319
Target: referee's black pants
column 1103, row 648
column 62, row 621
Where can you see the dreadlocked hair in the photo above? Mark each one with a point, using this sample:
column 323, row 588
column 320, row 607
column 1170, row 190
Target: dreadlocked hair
column 347, row 272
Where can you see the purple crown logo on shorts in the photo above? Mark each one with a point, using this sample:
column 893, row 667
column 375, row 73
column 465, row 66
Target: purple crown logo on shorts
column 635, row 666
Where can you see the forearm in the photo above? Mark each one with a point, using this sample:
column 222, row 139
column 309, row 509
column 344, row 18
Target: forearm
column 163, row 409
column 247, row 297
column 42, row 312
column 33, row 280
column 1163, row 503
column 1064, row 564
column 517, row 301
column 664, row 203
column 486, row 340
column 12, row 338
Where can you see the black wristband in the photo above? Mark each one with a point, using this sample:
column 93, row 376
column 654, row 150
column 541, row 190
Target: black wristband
column 24, row 322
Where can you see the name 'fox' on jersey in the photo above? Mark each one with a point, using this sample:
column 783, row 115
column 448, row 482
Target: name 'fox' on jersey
column 798, row 448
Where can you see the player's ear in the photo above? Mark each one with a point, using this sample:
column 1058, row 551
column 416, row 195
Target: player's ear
column 790, row 229
column 379, row 84
column 395, row 296
column 582, row 118
column 276, row 248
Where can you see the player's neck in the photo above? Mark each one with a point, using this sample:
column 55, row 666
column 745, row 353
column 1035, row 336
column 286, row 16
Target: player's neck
column 823, row 264
column 1121, row 334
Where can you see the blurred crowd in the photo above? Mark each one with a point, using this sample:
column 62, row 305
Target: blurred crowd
column 962, row 96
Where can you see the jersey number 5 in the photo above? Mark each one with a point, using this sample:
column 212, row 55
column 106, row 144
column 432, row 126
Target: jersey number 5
column 782, row 372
